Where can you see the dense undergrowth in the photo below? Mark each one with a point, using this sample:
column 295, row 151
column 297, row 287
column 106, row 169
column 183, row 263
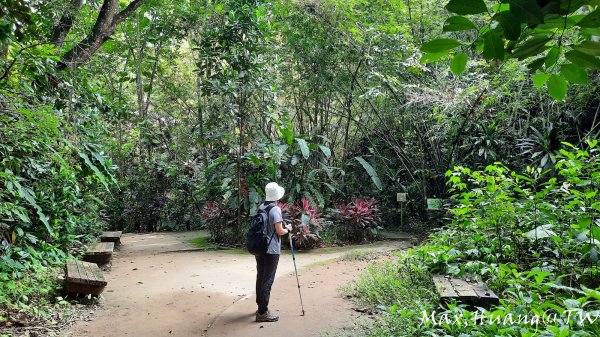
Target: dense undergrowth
column 51, row 176
column 533, row 237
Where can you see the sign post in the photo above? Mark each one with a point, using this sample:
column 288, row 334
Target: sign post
column 401, row 198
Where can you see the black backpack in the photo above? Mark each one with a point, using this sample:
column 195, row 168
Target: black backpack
column 257, row 240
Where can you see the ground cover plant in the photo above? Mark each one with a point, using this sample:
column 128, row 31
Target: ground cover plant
column 532, row 236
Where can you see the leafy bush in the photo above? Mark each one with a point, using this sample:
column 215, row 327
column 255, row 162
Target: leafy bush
column 306, row 223
column 51, row 182
column 155, row 196
column 531, row 236
column 357, row 221
column 219, row 219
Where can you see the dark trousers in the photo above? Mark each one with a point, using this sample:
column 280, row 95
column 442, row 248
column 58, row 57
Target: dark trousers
column 266, row 266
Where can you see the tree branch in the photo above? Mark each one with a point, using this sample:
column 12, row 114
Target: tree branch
column 124, row 14
column 105, row 25
column 61, row 30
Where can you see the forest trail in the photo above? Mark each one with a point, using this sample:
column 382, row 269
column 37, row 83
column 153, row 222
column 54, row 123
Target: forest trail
column 160, row 286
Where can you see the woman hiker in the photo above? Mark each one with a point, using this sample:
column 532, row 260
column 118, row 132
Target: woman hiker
column 266, row 264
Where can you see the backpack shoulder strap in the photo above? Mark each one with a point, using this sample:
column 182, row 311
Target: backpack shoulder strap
column 268, row 210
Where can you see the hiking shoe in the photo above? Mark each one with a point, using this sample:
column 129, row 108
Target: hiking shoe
column 266, row 317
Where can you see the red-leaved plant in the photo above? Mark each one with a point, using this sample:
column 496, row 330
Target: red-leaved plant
column 358, row 221
column 219, row 220
column 305, row 220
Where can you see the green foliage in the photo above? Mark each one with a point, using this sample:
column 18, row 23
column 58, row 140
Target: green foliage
column 530, row 236
column 525, row 30
column 48, row 200
column 389, row 284
column 371, row 171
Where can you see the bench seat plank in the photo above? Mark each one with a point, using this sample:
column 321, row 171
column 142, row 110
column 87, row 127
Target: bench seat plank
column 101, row 253
column 478, row 294
column 84, row 278
column 444, row 287
column 111, row 237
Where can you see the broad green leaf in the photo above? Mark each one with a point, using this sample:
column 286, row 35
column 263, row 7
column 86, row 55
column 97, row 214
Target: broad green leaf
column 466, row 7
column 589, row 47
column 574, row 74
column 439, row 45
column 527, row 11
column 540, row 79
column 326, row 151
column 500, row 7
column 591, row 20
column 303, row 147
column 102, row 160
column 540, row 232
column 458, row 23
column 536, row 64
column 95, row 169
column 531, row 47
column 432, row 57
column 493, row 47
column 510, row 25
column 552, row 56
column 371, row 171
column 215, row 162
column 28, row 195
column 571, row 6
column 315, row 192
column 331, row 188
column 295, row 160
column 557, row 87
column 458, row 63
column 583, row 60
column 557, row 22
column 287, row 131
column 21, row 215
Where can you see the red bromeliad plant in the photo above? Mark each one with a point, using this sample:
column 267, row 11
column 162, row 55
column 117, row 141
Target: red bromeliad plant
column 358, row 220
column 306, row 222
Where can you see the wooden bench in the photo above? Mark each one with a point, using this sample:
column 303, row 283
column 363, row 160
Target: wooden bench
column 114, row 237
column 477, row 294
column 84, row 278
column 100, row 254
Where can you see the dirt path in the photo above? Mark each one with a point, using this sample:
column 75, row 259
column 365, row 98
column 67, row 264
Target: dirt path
column 158, row 287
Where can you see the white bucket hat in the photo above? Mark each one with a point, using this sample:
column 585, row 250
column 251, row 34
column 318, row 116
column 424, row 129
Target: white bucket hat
column 274, row 192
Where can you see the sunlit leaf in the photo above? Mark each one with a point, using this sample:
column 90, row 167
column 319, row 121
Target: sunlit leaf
column 439, row 45
column 458, row 23
column 458, row 63
column 557, row 87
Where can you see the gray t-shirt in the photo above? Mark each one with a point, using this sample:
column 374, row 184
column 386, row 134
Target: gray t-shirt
column 274, row 217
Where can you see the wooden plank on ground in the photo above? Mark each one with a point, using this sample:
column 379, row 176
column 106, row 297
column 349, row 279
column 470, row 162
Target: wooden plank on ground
column 478, row 294
column 464, row 290
column 444, row 287
column 486, row 295
column 114, row 236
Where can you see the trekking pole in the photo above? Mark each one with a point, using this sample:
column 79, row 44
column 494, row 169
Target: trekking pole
column 296, row 269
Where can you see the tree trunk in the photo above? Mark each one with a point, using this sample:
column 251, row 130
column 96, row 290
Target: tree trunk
column 105, row 25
